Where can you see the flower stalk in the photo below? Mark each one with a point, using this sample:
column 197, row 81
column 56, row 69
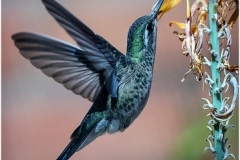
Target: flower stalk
column 219, row 42
column 217, row 96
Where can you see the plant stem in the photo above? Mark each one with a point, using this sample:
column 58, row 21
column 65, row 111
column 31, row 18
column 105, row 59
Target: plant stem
column 217, row 96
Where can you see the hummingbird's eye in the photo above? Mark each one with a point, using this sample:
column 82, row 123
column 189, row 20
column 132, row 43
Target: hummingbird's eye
column 150, row 27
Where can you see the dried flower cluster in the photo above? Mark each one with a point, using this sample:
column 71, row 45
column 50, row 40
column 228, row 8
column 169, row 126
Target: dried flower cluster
column 224, row 15
column 192, row 38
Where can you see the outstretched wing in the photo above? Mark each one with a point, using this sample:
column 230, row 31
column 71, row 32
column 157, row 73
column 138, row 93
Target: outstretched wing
column 93, row 44
column 64, row 62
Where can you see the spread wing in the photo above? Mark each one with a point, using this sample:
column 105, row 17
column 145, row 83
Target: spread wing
column 93, row 44
column 64, row 62
column 83, row 70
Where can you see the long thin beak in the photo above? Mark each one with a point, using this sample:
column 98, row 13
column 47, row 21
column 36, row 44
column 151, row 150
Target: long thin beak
column 156, row 8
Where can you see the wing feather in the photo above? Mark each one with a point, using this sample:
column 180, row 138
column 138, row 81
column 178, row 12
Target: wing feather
column 61, row 61
column 100, row 52
column 83, row 70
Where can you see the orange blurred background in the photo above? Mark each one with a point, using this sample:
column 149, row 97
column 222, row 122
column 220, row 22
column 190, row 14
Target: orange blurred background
column 39, row 115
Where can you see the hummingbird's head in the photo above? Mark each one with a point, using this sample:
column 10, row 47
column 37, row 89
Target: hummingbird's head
column 142, row 34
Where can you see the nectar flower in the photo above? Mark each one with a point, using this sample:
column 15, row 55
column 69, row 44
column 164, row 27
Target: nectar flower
column 167, row 5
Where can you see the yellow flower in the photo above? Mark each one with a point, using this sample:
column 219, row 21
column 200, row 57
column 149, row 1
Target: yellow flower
column 183, row 25
column 168, row 5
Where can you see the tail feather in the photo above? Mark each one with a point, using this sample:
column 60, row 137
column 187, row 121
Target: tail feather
column 81, row 137
column 70, row 149
column 93, row 125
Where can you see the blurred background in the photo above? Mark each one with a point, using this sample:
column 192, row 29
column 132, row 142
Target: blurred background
column 39, row 115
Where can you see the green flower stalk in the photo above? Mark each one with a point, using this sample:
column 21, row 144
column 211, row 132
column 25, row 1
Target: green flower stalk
column 222, row 73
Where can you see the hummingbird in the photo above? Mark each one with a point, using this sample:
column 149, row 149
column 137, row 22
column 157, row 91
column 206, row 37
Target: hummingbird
column 118, row 84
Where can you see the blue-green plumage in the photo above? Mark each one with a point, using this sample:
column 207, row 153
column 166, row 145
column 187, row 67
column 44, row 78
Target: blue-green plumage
column 118, row 85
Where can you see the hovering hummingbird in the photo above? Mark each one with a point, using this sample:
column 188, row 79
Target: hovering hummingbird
column 117, row 84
